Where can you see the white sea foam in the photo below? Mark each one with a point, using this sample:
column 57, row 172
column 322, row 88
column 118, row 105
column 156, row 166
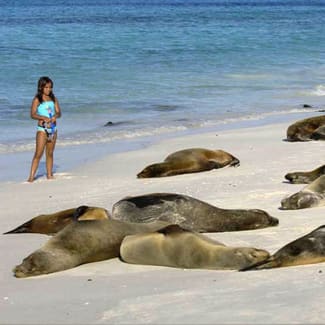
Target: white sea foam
column 108, row 135
column 319, row 91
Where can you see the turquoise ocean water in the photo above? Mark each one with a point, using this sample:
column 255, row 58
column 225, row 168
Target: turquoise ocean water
column 157, row 67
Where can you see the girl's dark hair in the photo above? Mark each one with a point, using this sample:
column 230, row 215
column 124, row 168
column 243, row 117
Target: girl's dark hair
column 40, row 86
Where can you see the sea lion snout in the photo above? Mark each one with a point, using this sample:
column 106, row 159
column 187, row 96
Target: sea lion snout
column 247, row 256
column 33, row 264
column 297, row 178
column 273, row 221
column 290, row 177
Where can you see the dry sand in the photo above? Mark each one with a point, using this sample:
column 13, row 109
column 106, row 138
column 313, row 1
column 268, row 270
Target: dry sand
column 112, row 292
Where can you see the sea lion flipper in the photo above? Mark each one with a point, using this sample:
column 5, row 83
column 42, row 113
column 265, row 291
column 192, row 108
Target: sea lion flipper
column 319, row 133
column 24, row 228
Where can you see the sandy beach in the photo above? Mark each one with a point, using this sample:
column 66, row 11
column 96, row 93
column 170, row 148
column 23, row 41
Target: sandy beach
column 112, row 292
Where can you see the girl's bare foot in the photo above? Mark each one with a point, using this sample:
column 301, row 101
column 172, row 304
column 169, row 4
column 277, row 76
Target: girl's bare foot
column 30, row 180
column 50, row 177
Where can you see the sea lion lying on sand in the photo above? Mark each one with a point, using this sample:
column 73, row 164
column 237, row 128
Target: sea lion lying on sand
column 311, row 128
column 189, row 161
column 309, row 249
column 52, row 223
column 189, row 213
column 305, row 177
column 175, row 247
column 79, row 243
column 313, row 195
column 96, row 240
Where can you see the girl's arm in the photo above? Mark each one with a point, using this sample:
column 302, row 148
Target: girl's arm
column 57, row 108
column 33, row 112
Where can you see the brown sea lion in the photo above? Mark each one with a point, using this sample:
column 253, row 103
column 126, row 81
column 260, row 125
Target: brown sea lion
column 79, row 243
column 189, row 161
column 309, row 249
column 305, row 177
column 189, row 213
column 306, row 129
column 175, row 247
column 313, row 195
column 52, row 223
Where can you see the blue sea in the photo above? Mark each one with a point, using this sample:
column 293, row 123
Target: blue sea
column 156, row 68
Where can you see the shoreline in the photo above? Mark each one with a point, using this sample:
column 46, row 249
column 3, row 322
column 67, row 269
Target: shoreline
column 114, row 292
column 15, row 166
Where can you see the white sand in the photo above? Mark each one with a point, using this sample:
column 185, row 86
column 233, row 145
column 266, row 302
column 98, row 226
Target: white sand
column 117, row 293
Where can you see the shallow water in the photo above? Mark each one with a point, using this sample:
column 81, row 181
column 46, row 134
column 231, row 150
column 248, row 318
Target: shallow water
column 158, row 68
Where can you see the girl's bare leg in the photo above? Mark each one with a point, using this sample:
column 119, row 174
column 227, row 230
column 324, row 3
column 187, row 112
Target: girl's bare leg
column 50, row 146
column 41, row 140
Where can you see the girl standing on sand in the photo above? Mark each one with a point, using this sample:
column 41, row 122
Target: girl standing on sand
column 45, row 109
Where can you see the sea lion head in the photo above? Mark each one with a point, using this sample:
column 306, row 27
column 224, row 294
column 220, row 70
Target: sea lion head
column 300, row 200
column 247, row 256
column 154, row 170
column 34, row 264
column 297, row 178
column 263, row 218
column 252, row 219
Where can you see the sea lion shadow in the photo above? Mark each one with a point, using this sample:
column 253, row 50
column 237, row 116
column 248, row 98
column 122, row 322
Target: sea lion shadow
column 289, row 140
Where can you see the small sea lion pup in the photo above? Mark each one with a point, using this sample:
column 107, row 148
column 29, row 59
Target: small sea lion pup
column 189, row 161
column 305, row 177
column 189, row 213
column 52, row 223
column 175, row 247
column 311, row 128
column 313, row 195
column 79, row 243
column 309, row 249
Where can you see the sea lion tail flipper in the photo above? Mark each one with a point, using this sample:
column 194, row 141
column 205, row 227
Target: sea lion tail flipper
column 79, row 212
column 24, row 228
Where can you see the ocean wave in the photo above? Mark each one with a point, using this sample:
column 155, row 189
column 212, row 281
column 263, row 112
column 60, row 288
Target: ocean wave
column 319, row 91
column 108, row 135
column 98, row 137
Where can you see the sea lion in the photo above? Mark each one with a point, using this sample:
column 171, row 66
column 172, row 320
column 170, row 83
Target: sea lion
column 79, row 243
column 305, row 177
column 313, row 195
column 189, row 213
column 309, row 249
column 189, row 161
column 306, row 129
column 175, row 247
column 52, row 223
